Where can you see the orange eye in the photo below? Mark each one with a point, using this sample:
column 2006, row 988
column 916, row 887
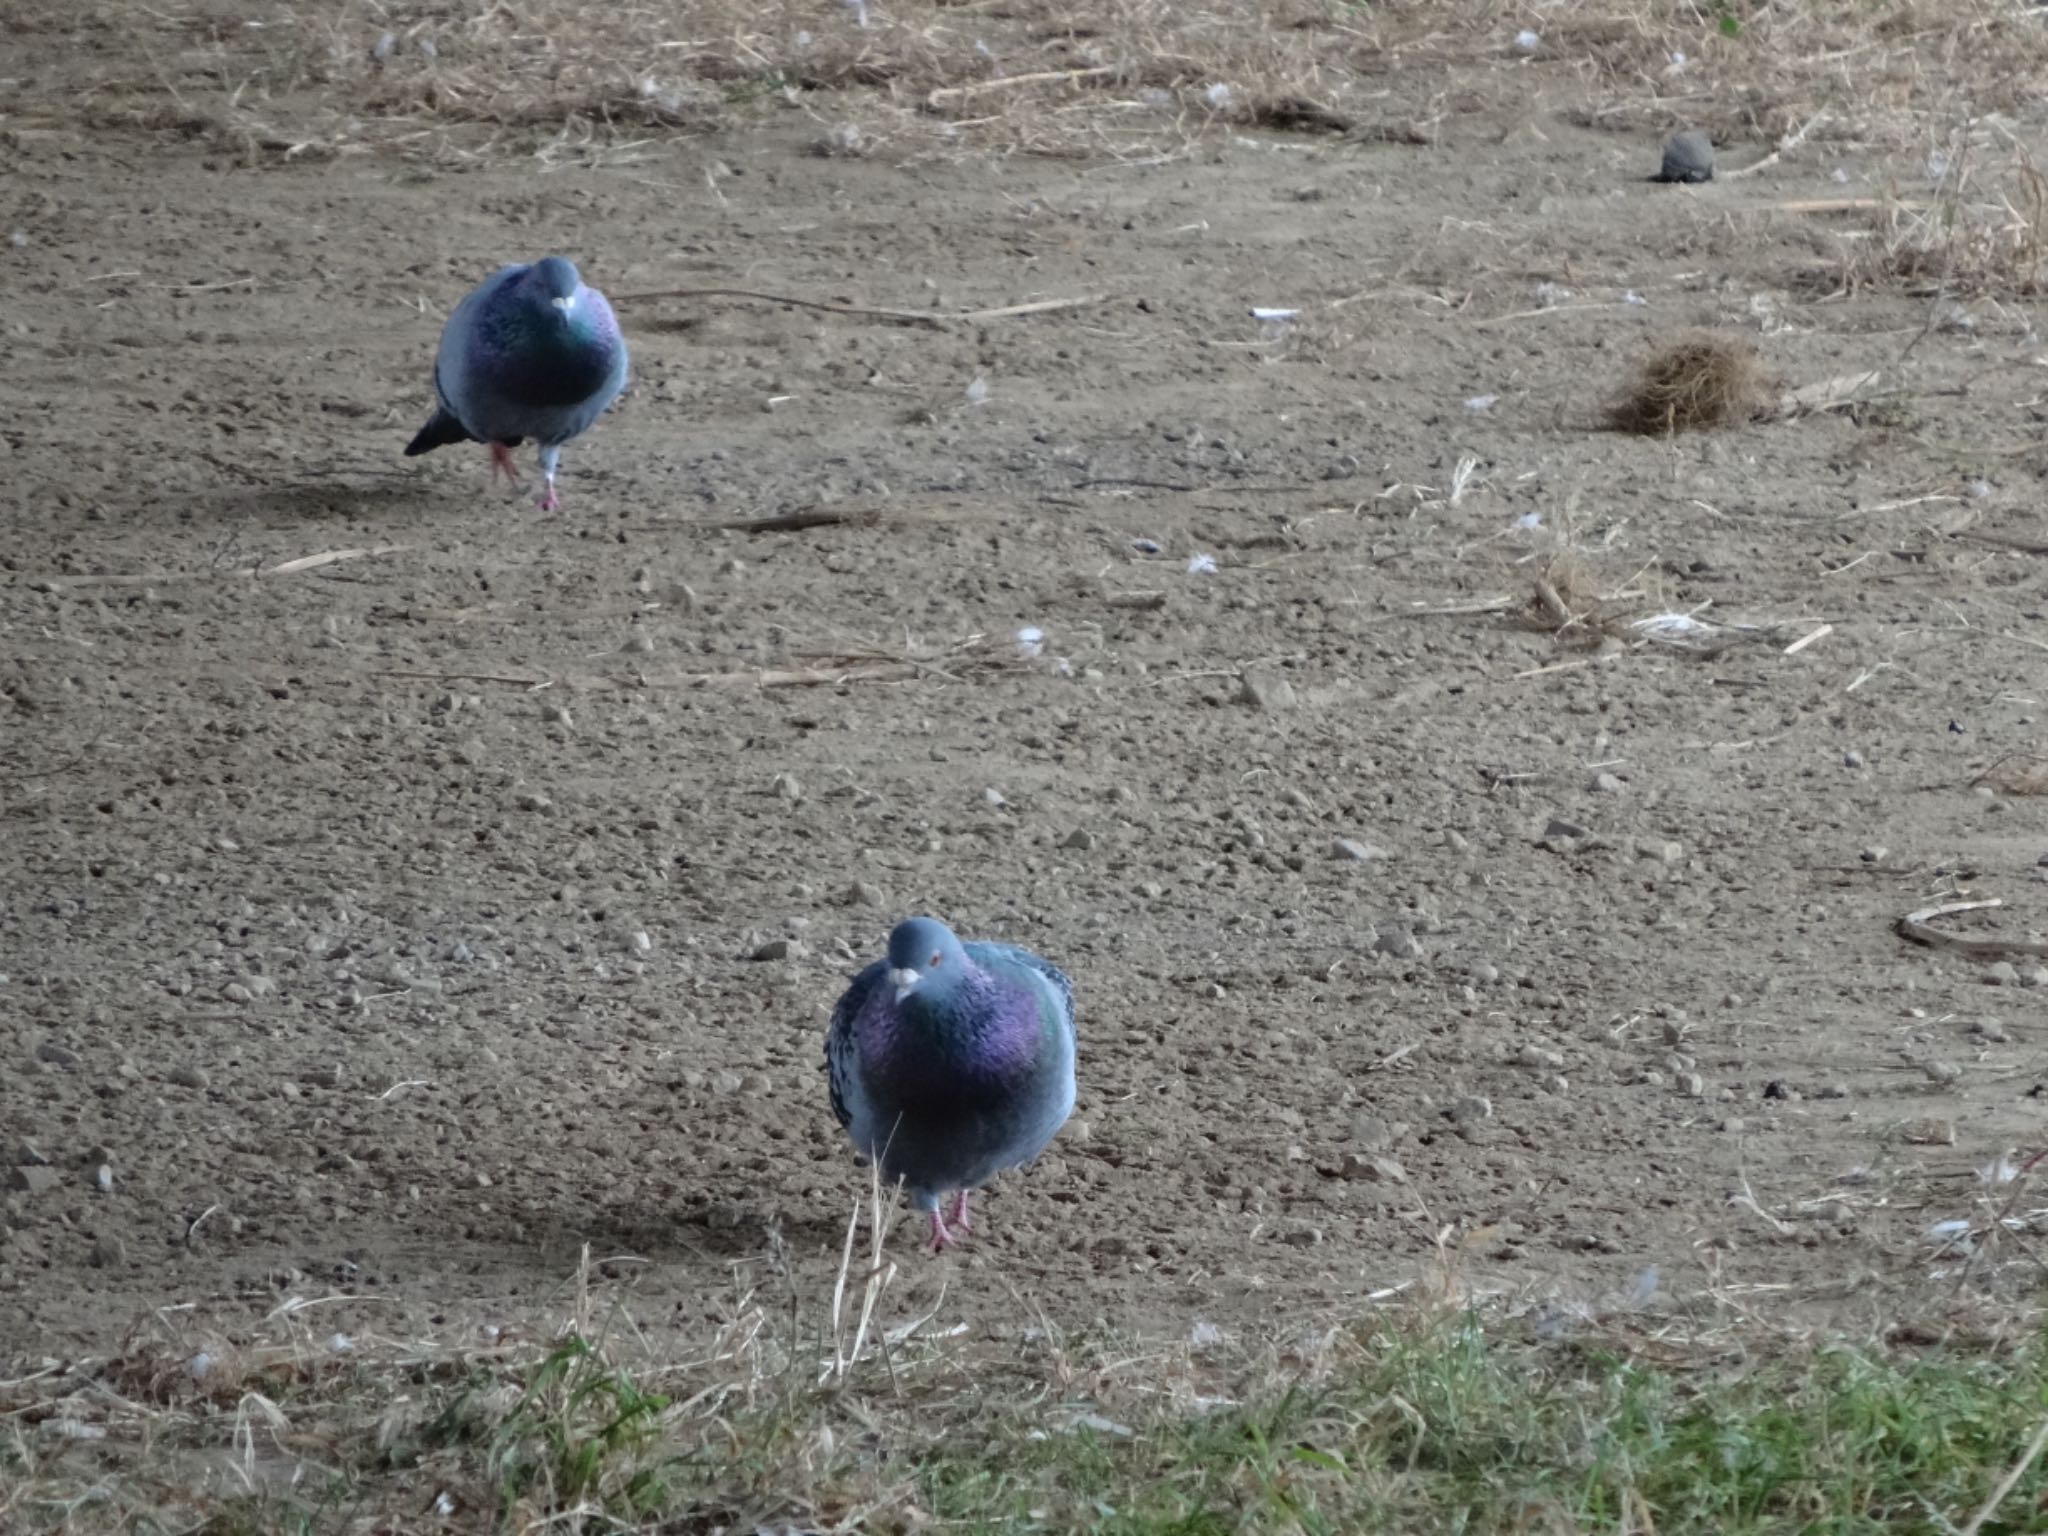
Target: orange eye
column 935, row 961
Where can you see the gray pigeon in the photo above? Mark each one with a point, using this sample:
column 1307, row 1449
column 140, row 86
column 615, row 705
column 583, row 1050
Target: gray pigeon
column 949, row 1062
column 529, row 352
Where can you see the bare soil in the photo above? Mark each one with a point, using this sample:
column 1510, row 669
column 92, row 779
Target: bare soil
column 384, row 926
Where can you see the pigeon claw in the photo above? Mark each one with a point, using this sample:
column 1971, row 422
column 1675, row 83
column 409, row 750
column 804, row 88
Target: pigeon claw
column 501, row 464
column 549, row 501
column 942, row 1238
column 958, row 1216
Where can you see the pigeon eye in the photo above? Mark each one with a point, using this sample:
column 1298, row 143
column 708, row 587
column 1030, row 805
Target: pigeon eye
column 936, row 960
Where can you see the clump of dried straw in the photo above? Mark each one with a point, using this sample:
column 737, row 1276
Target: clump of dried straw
column 1699, row 381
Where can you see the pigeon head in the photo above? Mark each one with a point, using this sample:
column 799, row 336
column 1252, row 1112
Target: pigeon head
column 555, row 278
column 925, row 958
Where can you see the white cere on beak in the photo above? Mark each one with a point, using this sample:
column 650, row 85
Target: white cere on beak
column 904, row 981
column 565, row 303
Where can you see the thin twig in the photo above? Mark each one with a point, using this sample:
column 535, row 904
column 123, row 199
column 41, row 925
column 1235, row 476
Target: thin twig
column 1917, row 926
column 1005, row 82
column 2005, row 1484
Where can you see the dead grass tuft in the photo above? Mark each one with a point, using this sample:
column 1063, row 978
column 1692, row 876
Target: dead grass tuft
column 1699, row 381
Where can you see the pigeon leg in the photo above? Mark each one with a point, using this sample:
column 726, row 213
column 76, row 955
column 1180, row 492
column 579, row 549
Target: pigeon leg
column 941, row 1238
column 501, row 464
column 549, row 458
column 958, row 1215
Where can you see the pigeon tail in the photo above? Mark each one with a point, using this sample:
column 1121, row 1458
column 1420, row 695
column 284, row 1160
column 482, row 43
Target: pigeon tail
column 441, row 430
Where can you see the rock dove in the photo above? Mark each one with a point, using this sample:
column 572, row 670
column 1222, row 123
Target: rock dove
column 949, row 1062
column 529, row 352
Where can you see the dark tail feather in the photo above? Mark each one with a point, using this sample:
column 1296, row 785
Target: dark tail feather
column 441, row 430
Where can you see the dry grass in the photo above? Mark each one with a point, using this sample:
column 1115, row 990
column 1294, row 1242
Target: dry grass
column 1699, row 381
column 2017, row 773
column 1112, row 78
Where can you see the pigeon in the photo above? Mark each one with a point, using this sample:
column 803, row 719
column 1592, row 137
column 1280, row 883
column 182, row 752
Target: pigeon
column 949, row 1062
column 529, row 352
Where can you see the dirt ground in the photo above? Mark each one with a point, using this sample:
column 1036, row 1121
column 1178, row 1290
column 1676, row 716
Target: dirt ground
column 385, row 927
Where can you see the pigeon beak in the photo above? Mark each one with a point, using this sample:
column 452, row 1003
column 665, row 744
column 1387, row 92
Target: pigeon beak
column 905, row 982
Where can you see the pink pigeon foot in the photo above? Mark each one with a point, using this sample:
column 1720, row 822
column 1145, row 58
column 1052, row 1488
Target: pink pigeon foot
column 549, row 501
column 501, row 463
column 941, row 1238
column 958, row 1215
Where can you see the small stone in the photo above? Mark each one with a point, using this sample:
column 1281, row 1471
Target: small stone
column 1472, row 1107
column 1371, row 1132
column 108, row 1252
column 1831, row 1091
column 726, row 1084
column 103, row 1179
column 188, row 1076
column 35, row 1180
column 993, row 797
column 1691, row 1084
column 787, row 787
column 1372, row 1170
column 1080, row 839
column 1660, row 850
column 1852, row 759
column 2034, row 976
column 638, row 645
column 329, row 1077
column 1358, row 853
column 2002, row 973
column 235, row 992
column 57, row 1055
column 1537, row 1058
column 483, row 1180
column 556, row 714
column 1675, row 1031
column 1559, row 831
column 1941, row 1072
column 1263, row 691
column 1995, row 1032
column 1484, row 973
column 1688, row 158
column 533, row 800
column 778, row 949
column 1733, row 1125
column 1606, row 784
column 1397, row 941
column 862, row 894
column 1875, row 854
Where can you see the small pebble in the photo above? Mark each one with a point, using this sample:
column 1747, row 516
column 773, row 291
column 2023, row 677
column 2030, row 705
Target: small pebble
column 1733, row 1125
column 1688, row 158
column 103, row 1179
column 2002, row 973
column 187, row 1076
column 1691, row 1084
column 1471, row 1107
column 862, row 894
column 1941, row 1072
column 35, row 1180
column 1265, row 692
column 787, row 787
column 556, row 714
column 1357, row 852
column 1535, row 1056
column 1875, row 854
column 108, row 1252
column 1080, row 839
column 1373, row 1170
column 1606, row 784
column 1852, row 759
column 778, row 949
column 56, row 1055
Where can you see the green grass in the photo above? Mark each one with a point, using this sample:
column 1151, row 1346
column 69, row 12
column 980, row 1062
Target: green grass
column 1451, row 1427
